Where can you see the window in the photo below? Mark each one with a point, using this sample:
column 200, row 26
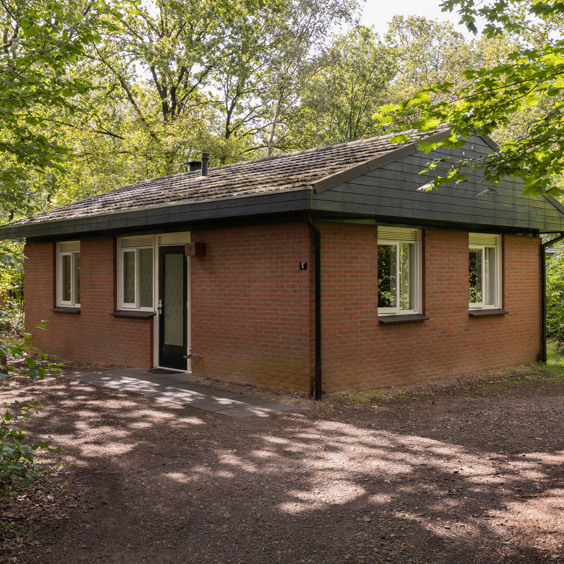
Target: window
column 68, row 274
column 399, row 271
column 484, row 271
column 136, row 273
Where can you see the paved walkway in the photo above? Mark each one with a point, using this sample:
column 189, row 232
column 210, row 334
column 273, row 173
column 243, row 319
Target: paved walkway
column 179, row 387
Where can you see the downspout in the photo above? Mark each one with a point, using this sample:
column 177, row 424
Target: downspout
column 544, row 246
column 318, row 383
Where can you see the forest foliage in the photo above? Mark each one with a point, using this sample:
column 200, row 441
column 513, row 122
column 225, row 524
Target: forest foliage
column 101, row 93
column 517, row 97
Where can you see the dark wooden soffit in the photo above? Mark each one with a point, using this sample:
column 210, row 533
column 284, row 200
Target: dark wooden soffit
column 335, row 179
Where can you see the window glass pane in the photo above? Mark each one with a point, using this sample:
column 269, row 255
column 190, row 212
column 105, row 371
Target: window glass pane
column 66, row 274
column 129, row 277
column 387, row 276
column 76, row 278
column 475, row 263
column 146, row 277
column 406, row 269
column 489, row 273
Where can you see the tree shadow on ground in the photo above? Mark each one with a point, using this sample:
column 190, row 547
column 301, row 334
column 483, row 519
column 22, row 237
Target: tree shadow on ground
column 451, row 479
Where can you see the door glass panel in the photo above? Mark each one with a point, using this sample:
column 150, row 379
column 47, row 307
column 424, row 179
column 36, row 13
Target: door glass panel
column 173, row 298
column 146, row 275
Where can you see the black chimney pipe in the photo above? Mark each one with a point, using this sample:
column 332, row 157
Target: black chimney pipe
column 205, row 163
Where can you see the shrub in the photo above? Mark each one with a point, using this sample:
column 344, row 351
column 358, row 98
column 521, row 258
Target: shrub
column 11, row 287
column 17, row 454
column 555, row 295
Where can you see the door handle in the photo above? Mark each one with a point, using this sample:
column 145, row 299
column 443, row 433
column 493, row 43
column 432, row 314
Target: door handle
column 160, row 307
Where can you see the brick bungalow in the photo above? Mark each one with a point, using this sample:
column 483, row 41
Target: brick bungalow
column 317, row 270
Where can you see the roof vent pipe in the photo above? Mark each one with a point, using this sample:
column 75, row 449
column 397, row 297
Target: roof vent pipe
column 195, row 165
column 205, row 163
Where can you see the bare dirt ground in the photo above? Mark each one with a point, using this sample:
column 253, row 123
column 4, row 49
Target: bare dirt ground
column 451, row 474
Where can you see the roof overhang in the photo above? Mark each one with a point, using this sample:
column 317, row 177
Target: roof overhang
column 179, row 213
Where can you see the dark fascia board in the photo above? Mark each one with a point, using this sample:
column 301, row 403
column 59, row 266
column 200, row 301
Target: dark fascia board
column 350, row 173
column 489, row 142
column 555, row 203
column 398, row 221
column 163, row 216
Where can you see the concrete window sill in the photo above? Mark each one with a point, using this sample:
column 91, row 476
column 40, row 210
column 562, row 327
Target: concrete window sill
column 63, row 309
column 389, row 319
column 486, row 312
column 134, row 314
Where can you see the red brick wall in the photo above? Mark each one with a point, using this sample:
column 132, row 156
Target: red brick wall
column 359, row 353
column 252, row 308
column 252, row 314
column 94, row 335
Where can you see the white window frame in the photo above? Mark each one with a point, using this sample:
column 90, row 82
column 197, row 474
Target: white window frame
column 67, row 249
column 394, row 236
column 485, row 241
column 135, row 245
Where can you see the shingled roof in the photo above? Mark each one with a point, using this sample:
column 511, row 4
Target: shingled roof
column 281, row 173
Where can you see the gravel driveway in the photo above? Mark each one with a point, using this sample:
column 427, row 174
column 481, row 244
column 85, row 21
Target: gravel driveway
column 467, row 474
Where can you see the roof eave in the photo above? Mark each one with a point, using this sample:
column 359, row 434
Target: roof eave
column 164, row 216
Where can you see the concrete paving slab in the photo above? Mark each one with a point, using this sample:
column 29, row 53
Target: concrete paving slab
column 166, row 379
column 206, row 391
column 179, row 388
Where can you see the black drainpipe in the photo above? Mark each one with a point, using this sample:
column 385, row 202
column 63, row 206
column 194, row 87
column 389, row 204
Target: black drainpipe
column 544, row 246
column 318, row 384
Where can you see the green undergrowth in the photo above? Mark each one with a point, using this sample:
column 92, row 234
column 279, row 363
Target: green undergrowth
column 19, row 362
column 554, row 362
column 490, row 383
column 367, row 397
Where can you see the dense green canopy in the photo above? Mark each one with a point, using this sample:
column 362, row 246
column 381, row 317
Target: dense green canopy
column 518, row 100
column 95, row 94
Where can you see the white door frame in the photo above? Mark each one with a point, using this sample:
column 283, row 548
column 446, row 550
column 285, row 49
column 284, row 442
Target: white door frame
column 169, row 240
